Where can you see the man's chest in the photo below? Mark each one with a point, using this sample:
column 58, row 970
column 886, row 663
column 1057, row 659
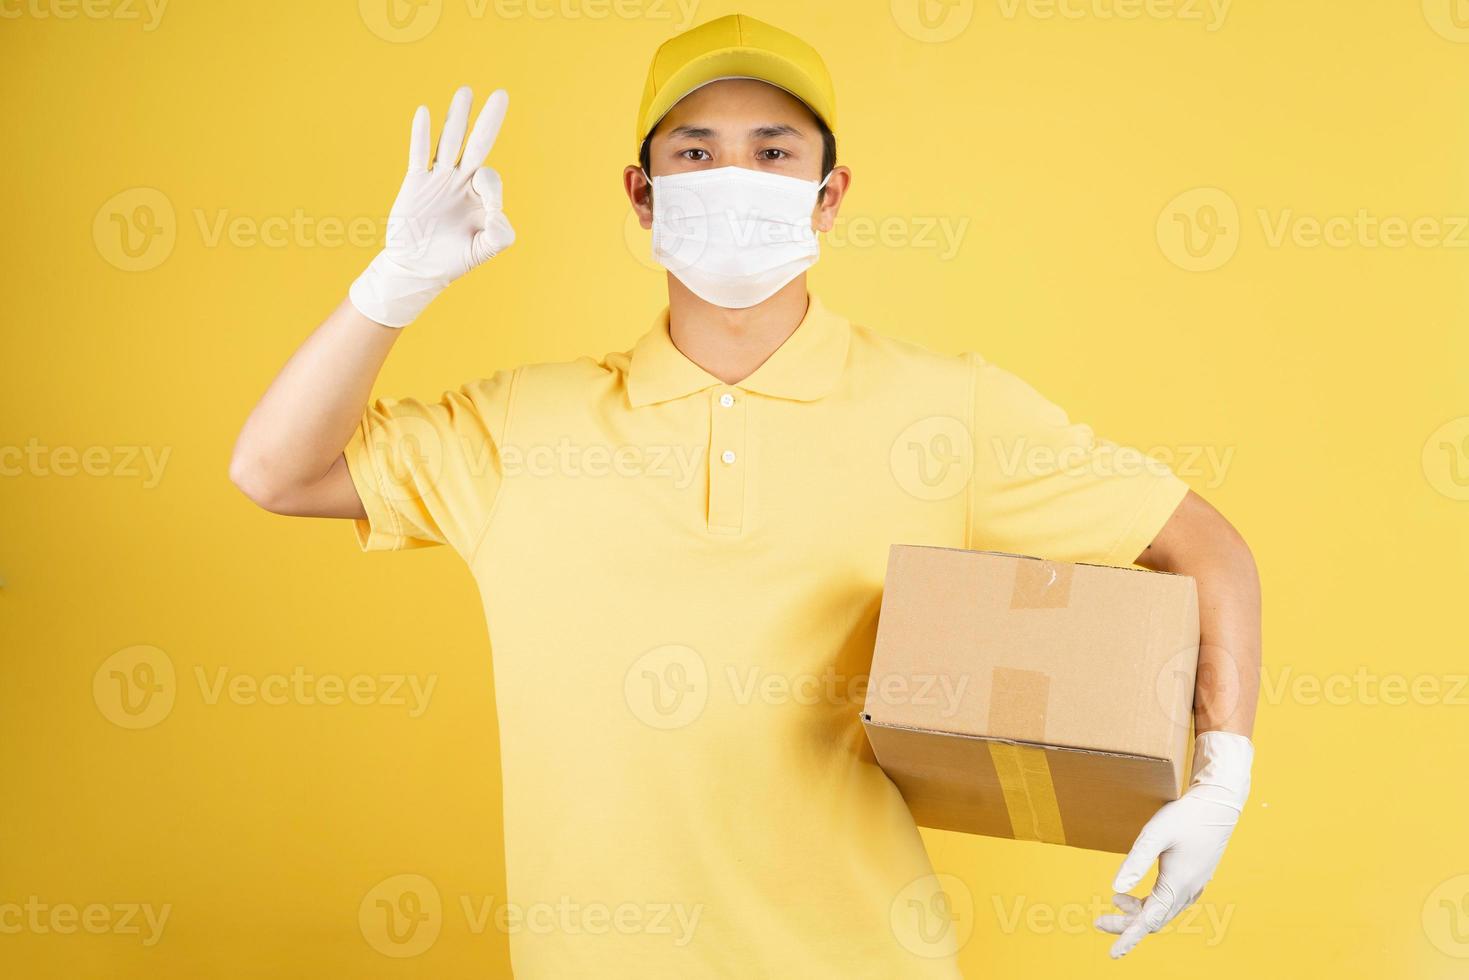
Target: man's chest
column 736, row 553
column 724, row 472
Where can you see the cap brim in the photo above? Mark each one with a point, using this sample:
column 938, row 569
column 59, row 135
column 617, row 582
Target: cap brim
column 737, row 62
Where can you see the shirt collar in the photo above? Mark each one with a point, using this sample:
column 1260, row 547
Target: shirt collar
column 805, row 367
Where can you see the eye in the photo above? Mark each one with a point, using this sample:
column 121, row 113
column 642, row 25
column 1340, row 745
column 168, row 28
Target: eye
column 695, row 149
column 778, row 154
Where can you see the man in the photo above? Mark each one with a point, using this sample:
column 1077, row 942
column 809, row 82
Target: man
column 680, row 548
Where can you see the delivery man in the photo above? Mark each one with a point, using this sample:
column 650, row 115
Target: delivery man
column 680, row 547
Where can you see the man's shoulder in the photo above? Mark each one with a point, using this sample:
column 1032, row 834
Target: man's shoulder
column 876, row 352
column 568, row 388
column 583, row 373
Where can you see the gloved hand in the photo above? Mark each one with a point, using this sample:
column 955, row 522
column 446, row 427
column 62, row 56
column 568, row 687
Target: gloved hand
column 1186, row 837
column 446, row 219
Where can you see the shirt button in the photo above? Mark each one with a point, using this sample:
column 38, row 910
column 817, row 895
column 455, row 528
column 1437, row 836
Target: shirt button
column 726, row 399
column 728, row 456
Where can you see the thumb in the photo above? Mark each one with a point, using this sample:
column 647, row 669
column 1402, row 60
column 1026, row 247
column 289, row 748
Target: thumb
column 486, row 183
column 1150, row 919
column 495, row 237
column 497, row 234
column 1144, row 852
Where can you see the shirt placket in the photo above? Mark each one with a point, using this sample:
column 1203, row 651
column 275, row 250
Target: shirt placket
column 727, row 460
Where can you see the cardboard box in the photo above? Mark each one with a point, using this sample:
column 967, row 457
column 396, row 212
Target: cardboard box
column 1017, row 697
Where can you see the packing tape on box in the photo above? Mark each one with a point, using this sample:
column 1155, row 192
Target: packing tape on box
column 1041, row 585
column 1018, row 702
column 1030, row 797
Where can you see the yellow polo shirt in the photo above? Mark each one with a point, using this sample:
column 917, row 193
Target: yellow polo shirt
column 681, row 579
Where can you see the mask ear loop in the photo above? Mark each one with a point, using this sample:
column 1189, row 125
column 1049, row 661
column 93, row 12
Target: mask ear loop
column 650, row 186
column 822, row 186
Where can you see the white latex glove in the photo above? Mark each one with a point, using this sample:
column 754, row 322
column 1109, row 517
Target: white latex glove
column 1186, row 837
column 446, row 219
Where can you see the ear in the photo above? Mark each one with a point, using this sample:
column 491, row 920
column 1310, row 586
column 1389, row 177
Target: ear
column 639, row 193
column 825, row 216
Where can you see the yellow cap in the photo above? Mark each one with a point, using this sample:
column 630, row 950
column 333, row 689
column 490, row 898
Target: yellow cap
column 736, row 46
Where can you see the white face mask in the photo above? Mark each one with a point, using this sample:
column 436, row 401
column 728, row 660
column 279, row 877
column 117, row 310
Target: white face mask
column 734, row 236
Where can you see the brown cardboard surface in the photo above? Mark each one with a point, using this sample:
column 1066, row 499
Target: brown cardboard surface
column 1088, row 668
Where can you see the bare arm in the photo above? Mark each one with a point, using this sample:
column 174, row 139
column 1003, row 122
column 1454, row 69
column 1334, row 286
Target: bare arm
column 446, row 221
column 1187, row 836
column 288, row 458
column 1198, row 541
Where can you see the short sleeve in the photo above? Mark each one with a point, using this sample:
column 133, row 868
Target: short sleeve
column 429, row 472
column 1046, row 486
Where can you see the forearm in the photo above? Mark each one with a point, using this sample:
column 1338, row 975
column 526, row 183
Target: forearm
column 446, row 220
column 1200, row 543
column 1228, row 683
column 1187, row 836
column 297, row 431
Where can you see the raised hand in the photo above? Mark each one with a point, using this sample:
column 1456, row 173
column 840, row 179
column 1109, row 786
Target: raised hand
column 447, row 218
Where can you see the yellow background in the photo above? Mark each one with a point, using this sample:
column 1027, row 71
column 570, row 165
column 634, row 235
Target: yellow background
column 1324, row 374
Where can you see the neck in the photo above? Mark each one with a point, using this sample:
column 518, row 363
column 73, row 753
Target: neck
column 731, row 344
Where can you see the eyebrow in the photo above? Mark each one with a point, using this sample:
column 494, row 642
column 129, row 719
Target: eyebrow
column 759, row 132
